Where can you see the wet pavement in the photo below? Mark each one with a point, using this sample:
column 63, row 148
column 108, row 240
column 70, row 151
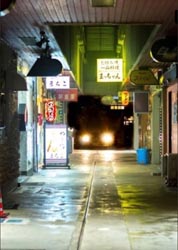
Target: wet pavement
column 105, row 201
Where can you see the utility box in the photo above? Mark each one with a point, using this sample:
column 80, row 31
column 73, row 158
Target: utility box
column 164, row 165
column 170, row 169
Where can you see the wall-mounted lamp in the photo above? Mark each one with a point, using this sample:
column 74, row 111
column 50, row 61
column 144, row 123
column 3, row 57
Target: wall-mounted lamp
column 45, row 65
column 6, row 6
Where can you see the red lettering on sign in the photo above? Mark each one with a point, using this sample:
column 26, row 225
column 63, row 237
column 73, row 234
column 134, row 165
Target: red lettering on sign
column 50, row 111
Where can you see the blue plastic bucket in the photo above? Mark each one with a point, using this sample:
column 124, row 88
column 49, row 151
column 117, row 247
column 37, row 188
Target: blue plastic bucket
column 142, row 156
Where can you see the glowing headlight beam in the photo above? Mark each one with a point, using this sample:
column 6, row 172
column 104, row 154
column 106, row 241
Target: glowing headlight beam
column 85, row 138
column 107, row 138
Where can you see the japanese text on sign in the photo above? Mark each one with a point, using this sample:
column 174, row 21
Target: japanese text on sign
column 58, row 82
column 50, row 111
column 55, row 144
column 68, row 95
column 143, row 77
column 109, row 70
column 125, row 98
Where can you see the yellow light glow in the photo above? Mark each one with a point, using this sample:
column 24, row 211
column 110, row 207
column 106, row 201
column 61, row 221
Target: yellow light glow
column 107, row 138
column 85, row 138
column 125, row 98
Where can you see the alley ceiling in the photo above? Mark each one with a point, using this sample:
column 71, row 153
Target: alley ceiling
column 21, row 26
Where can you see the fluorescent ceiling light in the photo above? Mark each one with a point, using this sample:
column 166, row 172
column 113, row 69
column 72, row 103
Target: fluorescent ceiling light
column 103, row 3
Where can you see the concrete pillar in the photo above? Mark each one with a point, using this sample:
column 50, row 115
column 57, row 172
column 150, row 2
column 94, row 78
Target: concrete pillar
column 155, row 128
column 25, row 99
column 135, row 132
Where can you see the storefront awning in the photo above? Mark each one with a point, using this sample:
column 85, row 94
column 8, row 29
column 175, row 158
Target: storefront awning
column 15, row 82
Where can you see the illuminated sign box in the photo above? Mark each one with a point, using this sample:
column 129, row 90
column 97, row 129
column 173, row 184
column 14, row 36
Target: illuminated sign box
column 109, row 70
column 58, row 82
column 125, row 98
column 50, row 111
column 56, row 144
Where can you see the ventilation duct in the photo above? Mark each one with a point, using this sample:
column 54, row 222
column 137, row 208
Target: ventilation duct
column 165, row 50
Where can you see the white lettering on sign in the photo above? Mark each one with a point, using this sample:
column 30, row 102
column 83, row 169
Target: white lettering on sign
column 67, row 94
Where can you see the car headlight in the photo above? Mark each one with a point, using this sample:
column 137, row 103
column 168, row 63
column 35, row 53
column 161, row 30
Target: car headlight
column 107, row 138
column 85, row 139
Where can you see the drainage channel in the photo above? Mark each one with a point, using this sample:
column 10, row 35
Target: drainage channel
column 78, row 236
column 103, row 227
column 87, row 207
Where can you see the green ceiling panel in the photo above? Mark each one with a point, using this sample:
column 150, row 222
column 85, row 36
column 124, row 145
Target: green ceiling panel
column 82, row 45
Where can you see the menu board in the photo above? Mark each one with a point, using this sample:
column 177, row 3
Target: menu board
column 56, row 144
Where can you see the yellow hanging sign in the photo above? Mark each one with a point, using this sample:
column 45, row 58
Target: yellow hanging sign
column 125, row 98
column 143, row 77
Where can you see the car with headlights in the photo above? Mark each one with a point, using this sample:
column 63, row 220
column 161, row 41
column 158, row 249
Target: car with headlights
column 93, row 139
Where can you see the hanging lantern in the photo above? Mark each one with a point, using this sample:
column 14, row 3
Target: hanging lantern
column 50, row 111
